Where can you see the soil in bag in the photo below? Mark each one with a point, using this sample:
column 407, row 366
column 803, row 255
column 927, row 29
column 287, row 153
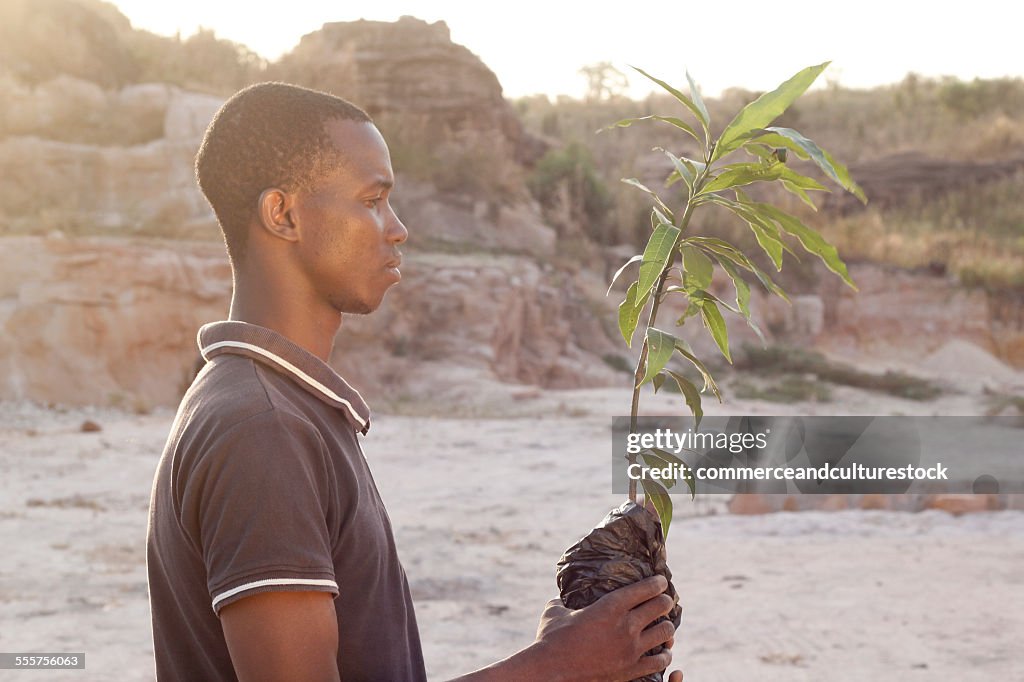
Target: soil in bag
column 626, row 547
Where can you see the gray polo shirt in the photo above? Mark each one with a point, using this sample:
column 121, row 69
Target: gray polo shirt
column 262, row 487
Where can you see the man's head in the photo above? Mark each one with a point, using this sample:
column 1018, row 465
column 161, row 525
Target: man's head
column 300, row 181
column 267, row 135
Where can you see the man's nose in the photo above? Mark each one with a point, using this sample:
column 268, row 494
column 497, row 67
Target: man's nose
column 397, row 231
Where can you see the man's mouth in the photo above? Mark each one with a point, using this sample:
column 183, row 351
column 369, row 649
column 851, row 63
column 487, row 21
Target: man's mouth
column 392, row 265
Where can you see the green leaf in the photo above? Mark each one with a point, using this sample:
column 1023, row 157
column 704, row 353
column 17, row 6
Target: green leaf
column 724, row 249
column 698, row 101
column 757, row 330
column 742, row 294
column 806, row 148
column 698, row 267
column 768, row 283
column 764, row 229
column 618, row 272
column 738, row 174
column 684, row 349
column 659, row 351
column 769, row 244
column 798, row 191
column 761, row 151
column 683, row 99
column 654, row 461
column 812, row 242
column 659, row 379
column 729, row 251
column 660, row 459
column 691, row 394
column 657, row 200
column 742, row 288
column 691, row 309
column 696, row 166
column 659, row 216
column 669, row 458
column 684, row 169
column 767, row 138
column 629, row 313
column 715, row 323
column 787, row 174
column 701, row 296
column 659, row 496
column 765, row 109
column 671, row 120
column 656, row 257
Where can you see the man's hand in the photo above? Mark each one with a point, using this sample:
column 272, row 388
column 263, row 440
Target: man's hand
column 606, row 641
column 279, row 636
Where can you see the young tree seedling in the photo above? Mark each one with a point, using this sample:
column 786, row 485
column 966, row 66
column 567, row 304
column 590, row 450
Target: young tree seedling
column 717, row 180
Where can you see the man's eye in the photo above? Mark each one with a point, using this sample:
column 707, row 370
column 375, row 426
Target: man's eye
column 372, row 203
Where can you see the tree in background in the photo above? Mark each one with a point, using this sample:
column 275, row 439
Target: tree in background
column 604, row 82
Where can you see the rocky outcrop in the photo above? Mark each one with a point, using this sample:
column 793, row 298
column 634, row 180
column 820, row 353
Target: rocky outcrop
column 908, row 314
column 900, row 179
column 87, row 188
column 101, row 321
column 113, row 319
column 105, row 321
column 68, row 109
column 411, row 70
column 898, row 315
column 145, row 190
column 486, row 297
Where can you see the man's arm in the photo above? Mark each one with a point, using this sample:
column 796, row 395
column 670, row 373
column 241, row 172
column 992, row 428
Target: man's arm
column 605, row 641
column 279, row 636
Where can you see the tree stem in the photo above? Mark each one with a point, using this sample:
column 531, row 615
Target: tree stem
column 641, row 364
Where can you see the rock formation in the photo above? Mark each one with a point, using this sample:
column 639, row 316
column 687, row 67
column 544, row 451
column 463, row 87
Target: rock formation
column 412, row 70
column 110, row 258
column 113, row 319
column 104, row 320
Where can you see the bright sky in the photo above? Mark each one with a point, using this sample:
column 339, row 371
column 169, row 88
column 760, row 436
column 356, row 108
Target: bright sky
column 539, row 47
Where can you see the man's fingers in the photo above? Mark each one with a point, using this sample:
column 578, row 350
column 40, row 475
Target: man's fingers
column 659, row 633
column 651, row 664
column 633, row 595
column 676, row 676
column 652, row 610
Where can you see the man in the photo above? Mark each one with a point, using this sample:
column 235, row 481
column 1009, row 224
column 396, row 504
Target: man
column 270, row 553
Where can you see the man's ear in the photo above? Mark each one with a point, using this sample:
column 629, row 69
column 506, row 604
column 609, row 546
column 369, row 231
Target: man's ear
column 276, row 213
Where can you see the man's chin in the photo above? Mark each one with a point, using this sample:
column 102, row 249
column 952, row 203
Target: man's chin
column 357, row 307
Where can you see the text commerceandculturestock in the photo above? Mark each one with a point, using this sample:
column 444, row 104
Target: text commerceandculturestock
column 827, row 472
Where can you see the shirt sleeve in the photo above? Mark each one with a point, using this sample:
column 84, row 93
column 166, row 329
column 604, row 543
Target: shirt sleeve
column 256, row 505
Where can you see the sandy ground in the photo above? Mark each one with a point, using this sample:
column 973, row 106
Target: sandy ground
column 482, row 508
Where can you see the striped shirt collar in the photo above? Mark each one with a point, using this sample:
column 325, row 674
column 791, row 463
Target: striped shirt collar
column 274, row 350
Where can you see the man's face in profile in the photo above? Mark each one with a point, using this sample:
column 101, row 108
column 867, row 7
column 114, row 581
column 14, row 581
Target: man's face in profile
column 349, row 250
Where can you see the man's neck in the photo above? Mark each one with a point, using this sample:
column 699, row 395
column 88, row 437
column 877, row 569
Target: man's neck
column 313, row 330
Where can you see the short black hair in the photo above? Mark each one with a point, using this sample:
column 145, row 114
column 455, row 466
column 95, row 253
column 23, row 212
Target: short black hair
column 266, row 135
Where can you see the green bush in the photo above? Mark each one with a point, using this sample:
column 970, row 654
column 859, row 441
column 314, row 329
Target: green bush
column 571, row 171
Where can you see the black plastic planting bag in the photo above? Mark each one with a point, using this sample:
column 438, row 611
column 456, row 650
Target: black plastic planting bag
column 626, row 547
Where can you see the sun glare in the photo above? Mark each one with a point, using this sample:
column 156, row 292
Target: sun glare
column 540, row 47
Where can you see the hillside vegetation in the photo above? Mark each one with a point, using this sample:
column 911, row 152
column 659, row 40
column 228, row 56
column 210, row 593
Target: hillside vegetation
column 941, row 159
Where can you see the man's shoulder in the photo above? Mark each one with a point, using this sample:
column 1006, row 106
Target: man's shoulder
column 232, row 392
